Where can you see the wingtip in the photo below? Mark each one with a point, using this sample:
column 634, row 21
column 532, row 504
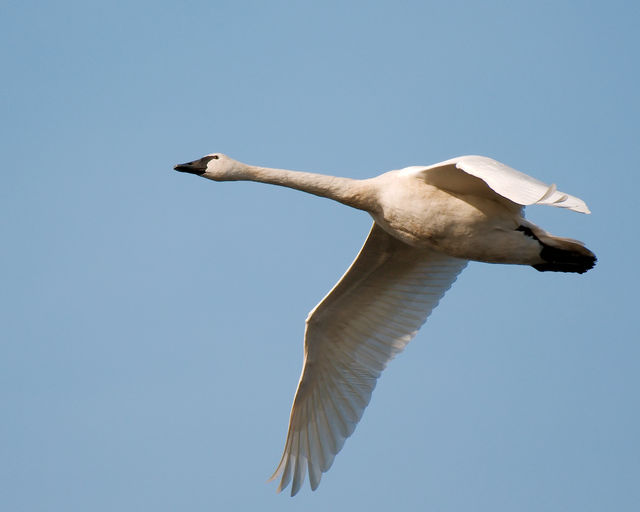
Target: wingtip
column 553, row 197
column 276, row 473
column 283, row 470
column 580, row 208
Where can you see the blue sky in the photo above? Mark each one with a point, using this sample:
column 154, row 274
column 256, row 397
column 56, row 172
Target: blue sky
column 151, row 322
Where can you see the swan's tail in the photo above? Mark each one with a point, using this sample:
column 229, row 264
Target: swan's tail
column 560, row 254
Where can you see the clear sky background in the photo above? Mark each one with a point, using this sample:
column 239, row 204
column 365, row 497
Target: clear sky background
column 151, row 322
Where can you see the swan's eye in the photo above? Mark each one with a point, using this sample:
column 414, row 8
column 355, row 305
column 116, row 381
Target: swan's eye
column 215, row 157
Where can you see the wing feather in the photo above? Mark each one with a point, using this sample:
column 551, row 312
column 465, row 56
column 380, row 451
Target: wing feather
column 352, row 334
column 513, row 185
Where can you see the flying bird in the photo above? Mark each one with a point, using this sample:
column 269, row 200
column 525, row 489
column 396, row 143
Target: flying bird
column 428, row 222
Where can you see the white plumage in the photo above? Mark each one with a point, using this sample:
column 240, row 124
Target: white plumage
column 369, row 316
column 428, row 222
column 515, row 185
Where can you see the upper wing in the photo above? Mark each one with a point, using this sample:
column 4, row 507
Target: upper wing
column 369, row 316
column 513, row 185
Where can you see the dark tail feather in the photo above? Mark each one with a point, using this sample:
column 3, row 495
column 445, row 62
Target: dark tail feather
column 560, row 254
column 563, row 260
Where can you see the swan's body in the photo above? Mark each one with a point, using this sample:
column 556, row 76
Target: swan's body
column 428, row 222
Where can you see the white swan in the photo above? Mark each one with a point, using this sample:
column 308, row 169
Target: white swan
column 428, row 222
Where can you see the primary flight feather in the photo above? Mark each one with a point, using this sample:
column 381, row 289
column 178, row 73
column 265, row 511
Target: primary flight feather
column 428, row 223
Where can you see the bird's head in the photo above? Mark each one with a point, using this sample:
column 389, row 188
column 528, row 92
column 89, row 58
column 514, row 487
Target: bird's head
column 216, row 166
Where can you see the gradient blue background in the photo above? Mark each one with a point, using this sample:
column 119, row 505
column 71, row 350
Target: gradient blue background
column 152, row 322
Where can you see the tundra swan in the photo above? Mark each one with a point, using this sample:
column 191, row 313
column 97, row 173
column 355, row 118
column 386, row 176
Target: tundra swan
column 428, row 222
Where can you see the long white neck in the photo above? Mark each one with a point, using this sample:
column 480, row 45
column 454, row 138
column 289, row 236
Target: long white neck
column 359, row 194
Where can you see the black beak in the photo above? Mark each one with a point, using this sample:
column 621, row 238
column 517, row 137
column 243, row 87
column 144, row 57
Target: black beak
column 198, row 167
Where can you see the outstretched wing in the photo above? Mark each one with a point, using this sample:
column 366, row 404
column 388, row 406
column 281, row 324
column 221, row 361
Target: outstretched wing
column 458, row 175
column 369, row 316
